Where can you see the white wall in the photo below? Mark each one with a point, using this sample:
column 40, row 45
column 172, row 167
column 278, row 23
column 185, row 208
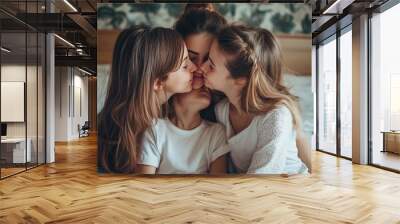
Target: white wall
column 33, row 126
column 12, row 73
column 61, row 103
column 67, row 115
column 80, row 83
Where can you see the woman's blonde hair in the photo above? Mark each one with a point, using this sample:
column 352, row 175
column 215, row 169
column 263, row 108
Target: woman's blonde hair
column 254, row 54
column 141, row 56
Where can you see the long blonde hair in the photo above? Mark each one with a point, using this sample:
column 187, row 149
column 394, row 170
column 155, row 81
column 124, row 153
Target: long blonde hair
column 254, row 53
column 141, row 56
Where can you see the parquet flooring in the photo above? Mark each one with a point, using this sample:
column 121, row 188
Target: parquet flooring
column 71, row 191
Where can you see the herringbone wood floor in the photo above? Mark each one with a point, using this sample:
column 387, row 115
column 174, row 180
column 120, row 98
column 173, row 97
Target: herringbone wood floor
column 70, row 191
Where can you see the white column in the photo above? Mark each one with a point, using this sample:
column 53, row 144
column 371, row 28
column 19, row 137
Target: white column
column 50, row 99
column 50, row 93
column 314, row 92
column 360, row 90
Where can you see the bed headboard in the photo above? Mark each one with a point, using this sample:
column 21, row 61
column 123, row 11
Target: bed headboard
column 296, row 53
column 296, row 50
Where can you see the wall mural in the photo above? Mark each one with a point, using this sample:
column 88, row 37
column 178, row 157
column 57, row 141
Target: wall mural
column 280, row 18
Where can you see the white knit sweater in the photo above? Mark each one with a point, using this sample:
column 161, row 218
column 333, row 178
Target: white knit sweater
column 266, row 146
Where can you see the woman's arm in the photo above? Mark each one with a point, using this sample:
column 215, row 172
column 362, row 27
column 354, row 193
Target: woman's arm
column 218, row 166
column 304, row 148
column 145, row 169
column 218, row 150
column 149, row 156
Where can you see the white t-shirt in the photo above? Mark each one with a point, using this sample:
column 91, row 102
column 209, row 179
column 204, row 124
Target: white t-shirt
column 266, row 146
column 176, row 151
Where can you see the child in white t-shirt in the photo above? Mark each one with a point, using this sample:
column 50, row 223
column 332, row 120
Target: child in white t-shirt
column 184, row 143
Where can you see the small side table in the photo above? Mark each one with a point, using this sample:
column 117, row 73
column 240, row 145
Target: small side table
column 14, row 150
column 391, row 141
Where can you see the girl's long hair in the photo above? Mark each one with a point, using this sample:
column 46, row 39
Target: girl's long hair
column 254, row 53
column 141, row 56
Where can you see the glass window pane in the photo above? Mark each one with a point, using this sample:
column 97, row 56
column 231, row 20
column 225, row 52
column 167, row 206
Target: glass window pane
column 23, row 85
column 32, row 87
column 385, row 84
column 41, row 98
column 14, row 148
column 327, row 97
column 346, row 94
column 31, row 97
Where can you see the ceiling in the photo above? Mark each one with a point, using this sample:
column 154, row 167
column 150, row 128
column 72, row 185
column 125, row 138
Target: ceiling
column 75, row 21
column 330, row 15
column 72, row 20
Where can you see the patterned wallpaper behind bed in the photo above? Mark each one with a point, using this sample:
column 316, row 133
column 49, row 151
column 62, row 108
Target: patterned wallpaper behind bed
column 288, row 18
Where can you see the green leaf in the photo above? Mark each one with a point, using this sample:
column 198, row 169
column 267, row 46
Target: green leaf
column 306, row 24
column 118, row 19
column 291, row 7
column 232, row 9
column 222, row 8
column 145, row 8
column 174, row 10
column 105, row 12
column 282, row 23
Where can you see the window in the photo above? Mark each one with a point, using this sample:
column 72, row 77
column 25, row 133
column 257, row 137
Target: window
column 22, row 67
column 327, row 96
column 346, row 94
column 385, row 89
